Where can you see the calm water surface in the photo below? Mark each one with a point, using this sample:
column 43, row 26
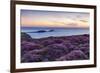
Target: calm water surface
column 47, row 32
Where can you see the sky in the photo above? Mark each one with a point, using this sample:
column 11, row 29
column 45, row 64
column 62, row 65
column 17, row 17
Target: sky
column 37, row 18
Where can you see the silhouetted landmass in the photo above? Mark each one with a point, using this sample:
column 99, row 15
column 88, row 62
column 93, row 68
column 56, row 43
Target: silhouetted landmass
column 65, row 48
column 41, row 31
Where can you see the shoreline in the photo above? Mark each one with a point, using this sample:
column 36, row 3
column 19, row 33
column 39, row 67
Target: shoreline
column 54, row 36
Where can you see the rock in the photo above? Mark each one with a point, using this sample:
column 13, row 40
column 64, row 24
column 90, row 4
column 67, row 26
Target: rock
column 55, row 51
column 58, row 41
column 28, row 46
column 65, row 48
column 73, row 55
column 30, row 57
column 25, row 36
column 84, row 48
column 38, row 51
column 47, row 42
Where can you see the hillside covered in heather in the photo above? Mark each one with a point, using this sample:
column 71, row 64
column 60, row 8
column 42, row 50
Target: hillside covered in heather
column 64, row 48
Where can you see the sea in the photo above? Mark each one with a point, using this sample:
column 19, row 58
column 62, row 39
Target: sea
column 41, row 32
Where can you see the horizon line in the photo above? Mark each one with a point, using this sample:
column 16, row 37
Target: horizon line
column 51, row 27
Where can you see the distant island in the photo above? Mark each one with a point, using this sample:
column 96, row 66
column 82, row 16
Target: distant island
column 41, row 31
column 64, row 48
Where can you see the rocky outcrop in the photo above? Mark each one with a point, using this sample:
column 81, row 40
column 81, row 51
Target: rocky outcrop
column 73, row 55
column 63, row 48
column 25, row 36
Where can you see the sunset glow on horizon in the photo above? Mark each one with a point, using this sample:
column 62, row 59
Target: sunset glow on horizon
column 37, row 18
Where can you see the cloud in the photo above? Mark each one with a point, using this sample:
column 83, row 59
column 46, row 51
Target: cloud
column 83, row 20
column 72, row 25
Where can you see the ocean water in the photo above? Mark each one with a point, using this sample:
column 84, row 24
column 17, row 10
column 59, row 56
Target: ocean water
column 56, row 32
